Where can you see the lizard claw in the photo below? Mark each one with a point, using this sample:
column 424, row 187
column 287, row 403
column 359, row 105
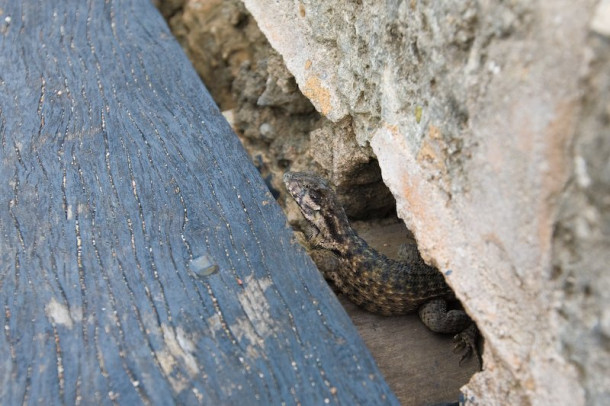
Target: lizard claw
column 466, row 341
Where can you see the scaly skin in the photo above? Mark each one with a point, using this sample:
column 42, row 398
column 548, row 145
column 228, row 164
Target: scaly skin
column 368, row 278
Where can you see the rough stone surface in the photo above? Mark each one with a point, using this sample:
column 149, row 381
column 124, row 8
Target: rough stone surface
column 581, row 240
column 278, row 125
column 489, row 120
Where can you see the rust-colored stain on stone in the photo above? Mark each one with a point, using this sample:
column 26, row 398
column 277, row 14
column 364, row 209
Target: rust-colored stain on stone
column 318, row 94
column 392, row 128
column 558, row 138
column 415, row 192
column 432, row 149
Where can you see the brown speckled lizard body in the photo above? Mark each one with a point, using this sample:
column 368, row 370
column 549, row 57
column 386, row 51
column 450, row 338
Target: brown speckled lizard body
column 368, row 278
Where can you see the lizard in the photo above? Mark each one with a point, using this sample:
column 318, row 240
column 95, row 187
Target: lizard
column 370, row 279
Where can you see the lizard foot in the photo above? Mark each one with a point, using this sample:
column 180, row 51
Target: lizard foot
column 466, row 342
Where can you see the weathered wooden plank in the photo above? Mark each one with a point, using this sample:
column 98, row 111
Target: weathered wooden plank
column 119, row 179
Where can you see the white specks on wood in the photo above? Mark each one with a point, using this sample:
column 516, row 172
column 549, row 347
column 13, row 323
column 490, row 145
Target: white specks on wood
column 59, row 313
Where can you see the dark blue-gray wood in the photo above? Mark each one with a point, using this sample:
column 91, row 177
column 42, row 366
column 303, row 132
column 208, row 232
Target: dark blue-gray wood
column 142, row 259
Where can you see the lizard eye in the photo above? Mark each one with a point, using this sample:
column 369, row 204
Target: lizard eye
column 313, row 201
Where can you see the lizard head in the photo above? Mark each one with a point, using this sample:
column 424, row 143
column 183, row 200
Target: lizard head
column 320, row 207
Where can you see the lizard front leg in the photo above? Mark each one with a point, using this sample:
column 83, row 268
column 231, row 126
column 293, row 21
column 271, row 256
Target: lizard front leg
column 435, row 316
